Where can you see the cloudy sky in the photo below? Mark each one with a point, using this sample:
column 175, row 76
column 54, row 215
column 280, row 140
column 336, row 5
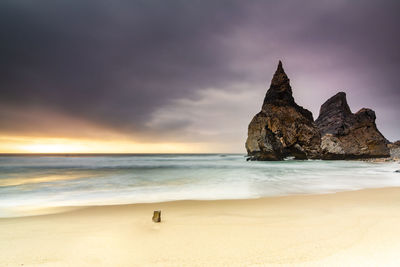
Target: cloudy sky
column 184, row 76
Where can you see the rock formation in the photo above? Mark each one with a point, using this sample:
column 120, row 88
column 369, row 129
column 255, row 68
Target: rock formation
column 346, row 135
column 282, row 128
column 395, row 150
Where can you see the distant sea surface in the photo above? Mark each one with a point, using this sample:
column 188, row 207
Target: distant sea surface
column 29, row 183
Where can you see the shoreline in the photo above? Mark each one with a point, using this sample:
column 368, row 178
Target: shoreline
column 54, row 210
column 352, row 227
column 117, row 182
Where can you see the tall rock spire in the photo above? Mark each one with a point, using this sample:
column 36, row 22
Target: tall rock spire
column 280, row 91
column 282, row 128
column 280, row 80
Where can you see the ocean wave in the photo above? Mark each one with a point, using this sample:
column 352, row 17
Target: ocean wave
column 79, row 181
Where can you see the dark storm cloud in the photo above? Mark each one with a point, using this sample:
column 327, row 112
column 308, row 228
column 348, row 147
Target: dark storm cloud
column 112, row 62
column 118, row 63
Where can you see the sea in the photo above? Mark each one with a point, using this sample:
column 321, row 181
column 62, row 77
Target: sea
column 32, row 183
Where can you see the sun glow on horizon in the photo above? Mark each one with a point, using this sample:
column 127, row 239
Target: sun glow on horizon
column 44, row 145
column 52, row 148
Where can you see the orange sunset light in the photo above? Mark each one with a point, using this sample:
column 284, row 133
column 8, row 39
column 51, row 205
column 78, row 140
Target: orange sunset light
column 65, row 145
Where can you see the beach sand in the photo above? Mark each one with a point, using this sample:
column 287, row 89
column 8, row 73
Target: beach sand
column 358, row 228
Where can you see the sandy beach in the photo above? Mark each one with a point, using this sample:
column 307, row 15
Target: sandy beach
column 357, row 228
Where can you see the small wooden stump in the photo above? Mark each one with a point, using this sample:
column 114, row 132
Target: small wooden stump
column 157, row 216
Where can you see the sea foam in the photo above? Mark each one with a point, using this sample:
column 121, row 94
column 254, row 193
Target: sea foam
column 29, row 183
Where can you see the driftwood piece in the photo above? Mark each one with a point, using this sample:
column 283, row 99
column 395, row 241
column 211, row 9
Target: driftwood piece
column 157, row 216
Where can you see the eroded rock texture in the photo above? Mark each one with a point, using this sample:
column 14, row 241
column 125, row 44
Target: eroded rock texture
column 345, row 135
column 282, row 128
column 395, row 150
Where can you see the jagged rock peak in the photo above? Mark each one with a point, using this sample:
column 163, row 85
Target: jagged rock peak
column 282, row 128
column 280, row 91
column 280, row 80
column 345, row 135
column 334, row 114
column 337, row 103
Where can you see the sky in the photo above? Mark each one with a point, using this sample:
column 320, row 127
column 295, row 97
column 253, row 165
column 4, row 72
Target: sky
column 134, row 76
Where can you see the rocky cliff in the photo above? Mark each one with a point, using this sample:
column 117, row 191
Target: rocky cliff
column 345, row 135
column 282, row 128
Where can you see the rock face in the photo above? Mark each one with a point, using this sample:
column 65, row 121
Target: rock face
column 346, row 135
column 395, row 150
column 282, row 128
